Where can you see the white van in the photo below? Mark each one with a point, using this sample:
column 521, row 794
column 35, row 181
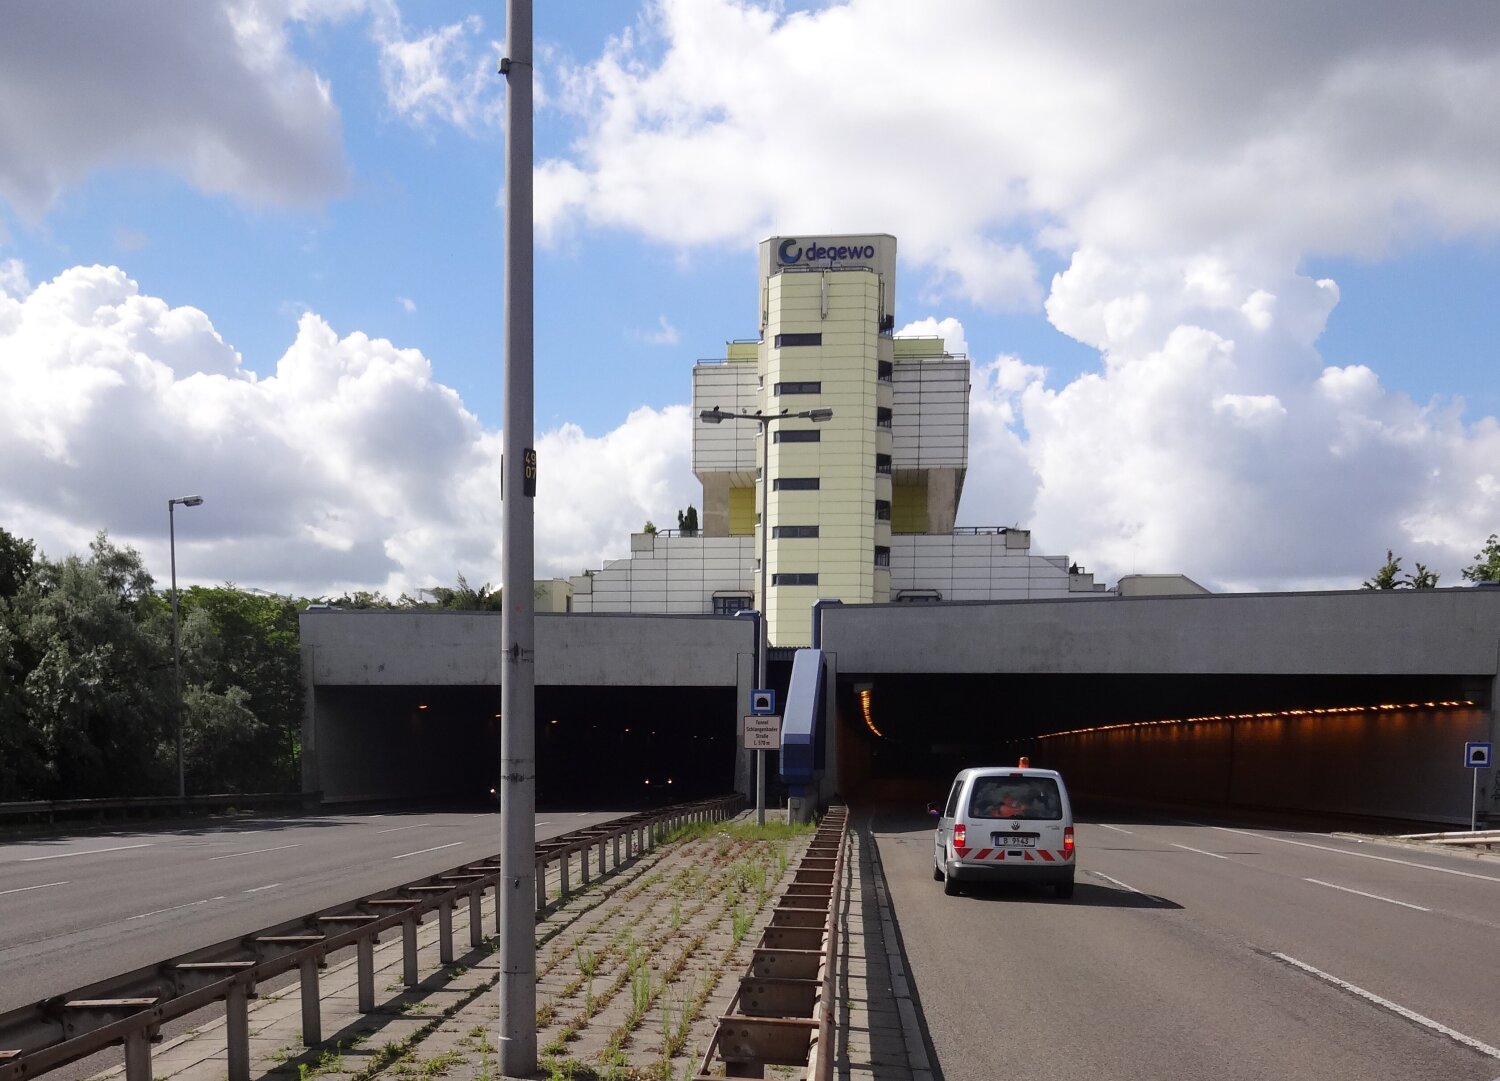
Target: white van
column 1005, row 824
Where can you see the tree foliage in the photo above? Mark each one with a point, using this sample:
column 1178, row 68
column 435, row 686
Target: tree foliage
column 1389, row 576
column 1486, row 566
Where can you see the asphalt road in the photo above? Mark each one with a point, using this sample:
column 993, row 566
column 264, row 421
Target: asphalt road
column 74, row 910
column 1208, row 951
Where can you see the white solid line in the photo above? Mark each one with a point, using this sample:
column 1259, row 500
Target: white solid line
column 1361, row 855
column 439, row 848
column 1384, row 1003
column 1200, row 851
column 90, row 852
column 23, row 889
column 1362, row 893
column 1117, row 829
column 174, row 908
column 1115, row 882
column 257, row 889
column 398, row 829
column 255, row 852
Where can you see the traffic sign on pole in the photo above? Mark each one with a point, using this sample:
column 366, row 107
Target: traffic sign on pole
column 1478, row 755
column 763, row 701
column 762, row 733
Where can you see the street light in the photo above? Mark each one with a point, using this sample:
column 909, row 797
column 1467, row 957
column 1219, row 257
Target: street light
column 765, row 420
column 186, row 501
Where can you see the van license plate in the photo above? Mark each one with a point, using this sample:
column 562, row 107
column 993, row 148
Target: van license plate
column 1014, row 840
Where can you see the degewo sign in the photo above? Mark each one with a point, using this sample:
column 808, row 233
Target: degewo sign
column 875, row 251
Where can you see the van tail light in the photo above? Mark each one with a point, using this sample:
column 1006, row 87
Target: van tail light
column 1067, row 842
column 959, row 835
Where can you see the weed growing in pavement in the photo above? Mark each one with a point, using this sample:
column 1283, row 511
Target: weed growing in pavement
column 641, row 993
column 740, row 921
column 588, row 960
column 546, row 1014
column 676, row 918
column 676, row 1023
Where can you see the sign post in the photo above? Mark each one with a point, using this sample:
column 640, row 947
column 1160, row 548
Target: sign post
column 1477, row 756
column 762, row 732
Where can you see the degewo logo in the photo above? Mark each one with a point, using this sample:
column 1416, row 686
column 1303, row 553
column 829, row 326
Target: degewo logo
column 788, row 253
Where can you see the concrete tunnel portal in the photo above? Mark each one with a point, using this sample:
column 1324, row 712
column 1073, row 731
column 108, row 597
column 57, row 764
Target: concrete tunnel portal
column 1352, row 702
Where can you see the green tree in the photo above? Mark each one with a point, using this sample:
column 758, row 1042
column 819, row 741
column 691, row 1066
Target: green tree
column 1486, row 567
column 687, row 521
column 1423, row 578
column 649, row 527
column 1388, row 576
column 23, row 766
column 242, row 664
column 98, row 685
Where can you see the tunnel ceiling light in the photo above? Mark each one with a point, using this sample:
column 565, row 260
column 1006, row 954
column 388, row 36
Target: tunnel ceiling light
column 1265, row 715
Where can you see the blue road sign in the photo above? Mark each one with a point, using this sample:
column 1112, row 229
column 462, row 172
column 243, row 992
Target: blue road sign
column 762, row 701
column 1478, row 755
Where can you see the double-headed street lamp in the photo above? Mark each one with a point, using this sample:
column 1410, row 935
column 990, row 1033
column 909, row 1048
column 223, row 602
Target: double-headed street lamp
column 765, row 420
column 186, row 501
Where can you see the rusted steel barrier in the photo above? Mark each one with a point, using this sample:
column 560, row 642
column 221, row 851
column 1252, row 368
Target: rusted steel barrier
column 131, row 1008
column 782, row 1014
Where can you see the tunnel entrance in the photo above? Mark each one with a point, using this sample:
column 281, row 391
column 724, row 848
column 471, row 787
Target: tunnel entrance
column 1377, row 744
column 596, row 747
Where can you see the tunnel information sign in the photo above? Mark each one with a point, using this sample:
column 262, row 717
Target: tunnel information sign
column 762, row 733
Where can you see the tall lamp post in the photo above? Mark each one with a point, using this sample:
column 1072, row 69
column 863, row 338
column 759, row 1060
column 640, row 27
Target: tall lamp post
column 765, row 420
column 186, row 501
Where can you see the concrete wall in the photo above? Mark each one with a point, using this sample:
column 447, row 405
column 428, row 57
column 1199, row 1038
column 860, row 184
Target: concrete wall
column 372, row 648
column 1364, row 632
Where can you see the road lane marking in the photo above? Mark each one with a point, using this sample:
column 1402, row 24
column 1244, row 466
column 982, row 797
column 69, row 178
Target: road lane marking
column 1361, row 855
column 439, row 848
column 257, row 889
column 23, row 889
column 1200, row 851
column 174, row 908
column 1117, row 829
column 255, row 852
column 1387, row 1004
column 1115, row 882
column 90, row 852
column 1362, row 893
column 398, row 829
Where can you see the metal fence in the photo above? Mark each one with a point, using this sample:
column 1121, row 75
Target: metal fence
column 130, row 1009
column 782, row 1014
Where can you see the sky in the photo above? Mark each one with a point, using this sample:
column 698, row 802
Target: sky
column 1228, row 274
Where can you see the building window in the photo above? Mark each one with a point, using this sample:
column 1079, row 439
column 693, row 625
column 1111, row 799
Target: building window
column 797, row 435
column 882, row 555
column 797, row 484
column 783, row 532
column 882, row 510
column 797, row 388
column 794, row 579
column 883, row 464
column 882, row 417
column 728, row 606
column 885, row 371
column 918, row 596
column 784, row 340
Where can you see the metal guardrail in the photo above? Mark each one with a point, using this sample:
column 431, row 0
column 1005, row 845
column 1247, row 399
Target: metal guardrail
column 52, row 810
column 782, row 1014
column 131, row 1008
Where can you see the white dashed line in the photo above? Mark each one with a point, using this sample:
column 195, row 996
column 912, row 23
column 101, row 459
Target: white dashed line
column 398, row 829
column 257, row 889
column 1200, row 851
column 1387, row 1004
column 1362, row 893
column 254, row 852
column 1116, row 882
column 1360, row 855
column 175, row 908
column 1117, row 829
column 90, row 852
column 23, row 889
column 439, row 848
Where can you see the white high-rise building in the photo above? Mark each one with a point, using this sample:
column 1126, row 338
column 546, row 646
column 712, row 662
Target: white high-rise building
column 862, row 507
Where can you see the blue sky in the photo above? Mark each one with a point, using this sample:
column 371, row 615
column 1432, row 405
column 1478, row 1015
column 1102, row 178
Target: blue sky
column 1228, row 280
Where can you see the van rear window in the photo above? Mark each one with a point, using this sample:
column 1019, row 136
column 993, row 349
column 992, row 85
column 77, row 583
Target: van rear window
column 1015, row 797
